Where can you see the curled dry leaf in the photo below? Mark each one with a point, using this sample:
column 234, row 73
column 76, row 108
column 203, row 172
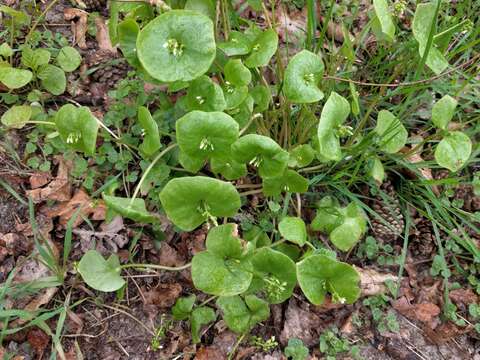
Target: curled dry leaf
column 79, row 19
column 58, row 190
column 39, row 179
column 372, row 282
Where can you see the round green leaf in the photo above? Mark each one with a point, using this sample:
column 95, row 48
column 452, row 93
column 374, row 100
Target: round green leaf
column 151, row 138
column 393, row 134
column 261, row 97
column 234, row 96
column 261, row 151
column 189, row 163
column 301, row 156
column 206, row 134
column 205, row 95
column 345, row 236
column 443, row 111
column 205, row 7
column 230, row 169
column 101, row 274
column 183, row 307
column 189, row 201
column 128, row 31
column 200, row 316
column 53, row 79
column 17, row 116
column 257, row 236
column 236, row 73
column 177, row 45
column 453, row 151
column 69, row 59
column 263, row 48
column 328, row 215
column 278, row 274
column 237, row 44
column 319, row 274
column 14, row 78
column 242, row 315
column 303, row 73
column 293, row 229
column 135, row 211
column 35, row 58
column 289, row 181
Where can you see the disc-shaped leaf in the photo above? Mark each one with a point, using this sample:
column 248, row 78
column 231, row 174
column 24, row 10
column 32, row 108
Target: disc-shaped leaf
column 278, row 274
column 334, row 113
column 101, row 274
column 319, row 274
column 234, row 95
column 301, row 156
column 345, row 236
column 304, row 72
column 14, row 78
column 200, row 316
column 289, row 181
column 205, row 95
column 77, row 128
column 69, row 59
column 242, row 315
column 237, row 44
column 188, row 201
column 17, row 116
column 177, row 45
column 135, row 211
column 53, row 79
column 236, row 73
column 293, row 229
column 262, row 151
column 243, row 113
column 228, row 168
column 151, row 138
column 443, row 111
column 128, row 31
column 453, row 151
column 263, row 48
column 384, row 17
column 393, row 134
column 206, row 134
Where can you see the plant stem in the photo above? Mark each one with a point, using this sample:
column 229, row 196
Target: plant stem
column 156, row 267
column 251, row 192
column 234, row 349
column 49, row 123
column 147, row 171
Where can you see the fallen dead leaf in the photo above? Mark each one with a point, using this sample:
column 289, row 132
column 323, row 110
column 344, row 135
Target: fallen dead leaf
column 106, row 241
column 445, row 332
column 103, row 38
column 463, row 297
column 39, row 179
column 169, row 256
column 424, row 171
column 58, row 190
column 79, row 20
column 38, row 340
column 424, row 312
column 372, row 282
column 300, row 324
column 209, row 353
column 163, row 296
column 44, row 227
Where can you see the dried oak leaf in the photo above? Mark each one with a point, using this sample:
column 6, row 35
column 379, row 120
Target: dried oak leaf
column 79, row 20
column 300, row 324
column 445, row 332
column 106, row 241
column 58, row 190
column 169, row 256
column 39, row 179
column 424, row 312
column 163, row 296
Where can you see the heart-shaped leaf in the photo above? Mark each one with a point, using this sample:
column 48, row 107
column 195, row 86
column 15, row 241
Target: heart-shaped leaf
column 177, row 45
column 205, row 95
column 345, row 236
column 200, row 316
column 5, row 50
column 183, row 307
column 334, row 113
column 206, row 134
column 14, row 78
column 221, row 270
column 101, row 274
column 320, row 274
column 242, row 315
column 135, row 211
column 391, row 131
column 263, row 48
column 69, row 59
column 236, row 73
column 191, row 164
column 277, row 272
column 293, row 229
column 375, row 169
column 304, row 72
column 453, row 151
column 237, row 44
column 289, row 181
column 190, row 201
column 17, row 116
column 385, row 19
column 261, row 151
column 128, row 31
column 301, row 156
column 151, row 138
column 230, row 169
column 53, row 79
column 443, row 111
column 77, row 128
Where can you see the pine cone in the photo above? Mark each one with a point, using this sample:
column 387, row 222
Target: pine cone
column 109, row 69
column 388, row 208
column 422, row 239
column 95, row 5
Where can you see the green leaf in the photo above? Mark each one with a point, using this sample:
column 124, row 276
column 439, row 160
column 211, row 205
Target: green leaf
column 423, row 20
column 189, row 201
column 206, row 134
column 296, row 350
column 128, row 31
column 5, row 50
column 277, row 273
column 345, row 236
column 301, row 156
column 289, row 181
column 257, row 236
column 355, row 100
column 385, row 18
column 69, row 59
column 302, row 76
column 221, row 270
column 14, row 78
column 237, row 44
column 293, row 229
column 261, row 96
column 263, row 48
column 236, row 73
column 328, row 215
column 262, row 151
column 229, row 169
column 334, row 114
column 200, row 316
column 101, row 274
column 151, row 138
column 255, row 4
column 19, row 17
column 242, row 315
column 393, row 134
column 443, row 111
column 53, row 79
column 35, row 58
column 376, row 170
column 177, row 45
column 17, row 116
column 453, row 151
column 189, row 163
column 205, row 95
column 205, row 7
column 135, row 211
column 234, row 96
column 319, row 274
column 183, row 307
column 77, row 128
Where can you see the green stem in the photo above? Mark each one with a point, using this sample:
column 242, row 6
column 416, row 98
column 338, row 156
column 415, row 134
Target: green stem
column 251, row 192
column 156, row 267
column 50, row 123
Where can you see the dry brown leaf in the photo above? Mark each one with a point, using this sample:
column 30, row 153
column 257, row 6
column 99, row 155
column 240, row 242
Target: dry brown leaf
column 103, row 38
column 373, row 282
column 169, row 256
column 58, row 190
column 39, row 179
column 44, row 227
column 445, row 332
column 38, row 340
column 424, row 312
column 79, row 19
column 300, row 324
column 209, row 353
column 106, row 241
column 463, row 297
column 426, row 172
column 163, row 296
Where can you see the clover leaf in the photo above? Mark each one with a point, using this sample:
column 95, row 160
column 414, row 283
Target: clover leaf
column 242, row 315
column 151, row 138
column 393, row 134
column 303, row 73
column 236, row 73
column 319, row 274
column 190, row 201
column 52, row 79
column 101, row 274
column 334, row 113
column 443, row 111
column 453, row 151
column 263, row 48
column 177, row 45
column 17, row 116
column 289, row 181
column 135, row 210
column 277, row 273
column 301, row 156
column 221, row 269
column 77, row 128
column 205, row 95
column 14, row 78
column 237, row 44
column 293, row 229
column 384, row 18
column 200, row 316
column 262, row 152
column 206, row 134
column 69, row 59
